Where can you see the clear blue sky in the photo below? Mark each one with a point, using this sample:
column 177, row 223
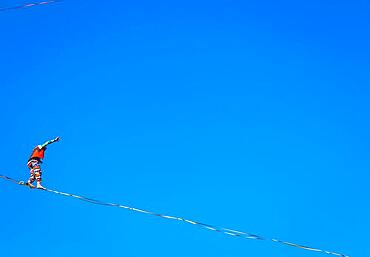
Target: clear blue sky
column 252, row 115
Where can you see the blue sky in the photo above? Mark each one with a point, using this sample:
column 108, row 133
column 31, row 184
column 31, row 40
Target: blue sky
column 252, row 115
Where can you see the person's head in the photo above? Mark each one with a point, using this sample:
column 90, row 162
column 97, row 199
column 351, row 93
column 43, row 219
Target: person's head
column 40, row 147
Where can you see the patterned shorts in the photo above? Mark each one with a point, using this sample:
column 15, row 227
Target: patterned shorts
column 35, row 170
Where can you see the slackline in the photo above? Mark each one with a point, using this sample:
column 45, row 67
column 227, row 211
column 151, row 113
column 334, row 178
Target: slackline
column 230, row 232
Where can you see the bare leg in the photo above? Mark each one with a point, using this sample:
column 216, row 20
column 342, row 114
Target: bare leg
column 31, row 180
column 38, row 179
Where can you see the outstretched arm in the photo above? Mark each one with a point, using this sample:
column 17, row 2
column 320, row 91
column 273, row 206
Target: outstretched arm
column 49, row 142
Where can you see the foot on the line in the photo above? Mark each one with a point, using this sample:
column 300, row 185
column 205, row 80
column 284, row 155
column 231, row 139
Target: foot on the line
column 30, row 185
column 40, row 187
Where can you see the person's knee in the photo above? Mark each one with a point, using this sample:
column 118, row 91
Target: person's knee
column 38, row 176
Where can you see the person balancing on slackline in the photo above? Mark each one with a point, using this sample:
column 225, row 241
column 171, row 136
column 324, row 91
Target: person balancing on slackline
column 35, row 161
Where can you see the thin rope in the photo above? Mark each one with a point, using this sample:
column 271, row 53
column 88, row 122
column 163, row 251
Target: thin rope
column 28, row 5
column 230, row 232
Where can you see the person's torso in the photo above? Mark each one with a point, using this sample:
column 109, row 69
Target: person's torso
column 38, row 153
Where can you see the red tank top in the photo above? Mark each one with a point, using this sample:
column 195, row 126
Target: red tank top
column 38, row 153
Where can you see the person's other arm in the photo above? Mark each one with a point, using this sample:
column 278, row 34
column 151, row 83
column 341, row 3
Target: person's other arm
column 49, row 142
